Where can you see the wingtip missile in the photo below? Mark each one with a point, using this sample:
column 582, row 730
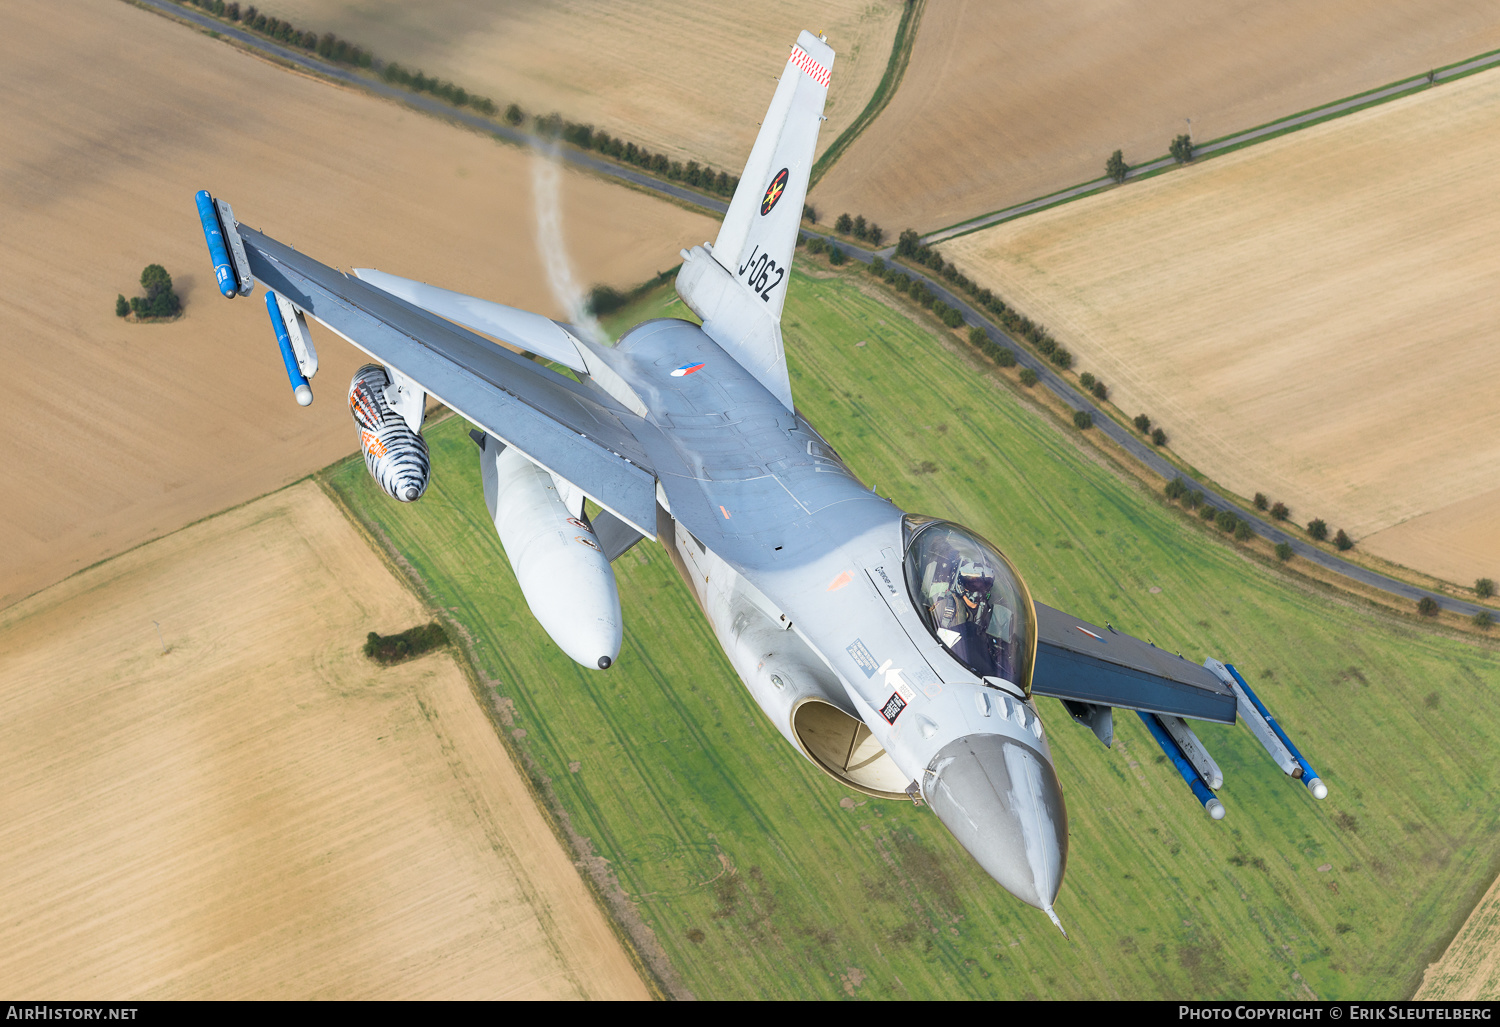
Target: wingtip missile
column 1267, row 731
column 218, row 251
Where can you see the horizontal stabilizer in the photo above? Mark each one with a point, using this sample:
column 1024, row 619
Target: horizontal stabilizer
column 521, row 328
column 1078, row 661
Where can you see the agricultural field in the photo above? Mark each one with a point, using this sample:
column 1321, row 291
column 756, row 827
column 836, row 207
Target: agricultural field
column 758, row 877
column 1006, row 102
column 123, row 432
column 688, row 78
column 1470, row 969
column 244, row 806
column 1313, row 318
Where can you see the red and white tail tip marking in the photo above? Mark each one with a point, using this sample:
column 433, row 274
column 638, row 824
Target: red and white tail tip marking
column 815, row 71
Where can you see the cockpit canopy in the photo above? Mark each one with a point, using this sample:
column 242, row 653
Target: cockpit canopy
column 972, row 600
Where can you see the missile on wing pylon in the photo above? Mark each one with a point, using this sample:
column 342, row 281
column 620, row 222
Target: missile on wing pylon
column 1266, row 731
column 300, row 388
column 561, row 567
column 1184, row 766
column 1193, row 749
column 225, row 248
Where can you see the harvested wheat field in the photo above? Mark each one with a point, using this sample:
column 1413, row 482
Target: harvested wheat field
column 1314, row 318
column 262, row 812
column 689, row 78
column 122, row 432
column 1005, row 102
column 1470, row 969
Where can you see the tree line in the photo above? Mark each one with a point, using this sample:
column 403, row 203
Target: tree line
column 328, row 46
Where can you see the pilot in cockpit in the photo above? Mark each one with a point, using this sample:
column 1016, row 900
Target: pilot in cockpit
column 966, row 619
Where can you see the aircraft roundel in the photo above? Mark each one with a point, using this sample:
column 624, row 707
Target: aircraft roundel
column 774, row 191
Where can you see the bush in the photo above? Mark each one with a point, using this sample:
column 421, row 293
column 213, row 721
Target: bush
column 122, row 306
column 1484, row 588
column 1427, row 606
column 514, row 115
column 1343, row 542
column 1208, row 513
column 1482, row 620
column 809, row 214
column 1279, row 512
column 1181, row 149
column 1004, row 357
column 1158, row 437
column 1226, row 520
column 1100, row 391
column 1175, row 488
column 1243, row 532
column 953, row 317
column 1192, row 500
column 1143, row 424
column 1317, row 529
column 1260, row 501
column 1028, row 377
column 816, row 245
column 1116, row 167
column 835, row 255
column 160, row 300
column 1083, row 420
column 977, row 336
column 1086, row 380
column 844, row 225
column 1283, row 551
column 411, row 643
column 605, row 300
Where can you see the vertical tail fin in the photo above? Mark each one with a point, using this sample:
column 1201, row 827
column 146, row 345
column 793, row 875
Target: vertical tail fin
column 741, row 299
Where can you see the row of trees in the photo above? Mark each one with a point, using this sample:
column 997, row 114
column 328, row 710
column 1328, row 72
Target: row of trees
column 1157, row 436
column 418, row 82
column 328, row 46
column 1227, row 521
column 858, row 227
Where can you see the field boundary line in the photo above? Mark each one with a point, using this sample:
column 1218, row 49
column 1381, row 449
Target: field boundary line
column 895, row 71
column 1229, row 143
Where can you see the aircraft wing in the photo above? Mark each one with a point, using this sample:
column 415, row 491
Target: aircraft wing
column 577, row 432
column 1080, row 662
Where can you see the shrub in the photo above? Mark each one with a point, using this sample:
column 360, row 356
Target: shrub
column 1343, row 542
column 1028, row 377
column 160, row 300
column 1279, row 512
column 122, row 306
column 514, row 115
column 1175, row 488
column 1181, row 149
column 1158, row 437
column 1208, row 513
column 1317, row 529
column 1243, row 532
column 844, row 225
column 1260, row 501
column 1482, row 620
column 605, row 300
column 1083, row 420
column 408, row 644
column 1226, row 520
column 1086, row 380
column 1143, row 424
column 1004, row 357
column 1427, row 606
column 1101, row 392
column 953, row 317
column 1116, row 167
column 816, row 245
column 1484, row 588
column 1283, row 551
column 977, row 336
column 1192, row 500
column 835, row 255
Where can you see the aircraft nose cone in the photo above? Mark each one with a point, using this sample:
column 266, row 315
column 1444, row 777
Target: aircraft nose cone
column 1001, row 800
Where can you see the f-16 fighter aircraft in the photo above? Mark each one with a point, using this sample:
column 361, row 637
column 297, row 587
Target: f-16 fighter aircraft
column 901, row 654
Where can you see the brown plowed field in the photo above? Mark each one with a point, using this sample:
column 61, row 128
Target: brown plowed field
column 1004, row 102
column 1470, row 969
column 261, row 812
column 689, row 78
column 112, row 118
column 1314, row 318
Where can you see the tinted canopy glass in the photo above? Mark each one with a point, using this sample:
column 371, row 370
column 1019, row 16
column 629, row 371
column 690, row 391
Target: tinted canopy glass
column 973, row 601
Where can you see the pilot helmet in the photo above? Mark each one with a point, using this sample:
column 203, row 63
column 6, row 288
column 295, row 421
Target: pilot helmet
column 974, row 582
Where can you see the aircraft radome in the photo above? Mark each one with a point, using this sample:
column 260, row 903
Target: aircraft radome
column 899, row 653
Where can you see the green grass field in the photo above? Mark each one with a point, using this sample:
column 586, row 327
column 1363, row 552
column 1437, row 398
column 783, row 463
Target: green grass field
column 764, row 879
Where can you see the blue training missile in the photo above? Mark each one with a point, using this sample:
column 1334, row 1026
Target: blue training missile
column 1184, row 766
column 224, row 270
column 1304, row 769
column 300, row 388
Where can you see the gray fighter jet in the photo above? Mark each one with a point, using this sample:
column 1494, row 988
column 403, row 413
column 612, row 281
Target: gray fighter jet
column 900, row 654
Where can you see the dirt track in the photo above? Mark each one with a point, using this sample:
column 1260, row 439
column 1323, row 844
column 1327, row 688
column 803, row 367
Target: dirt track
column 122, row 432
column 1313, row 318
column 1005, row 102
column 262, row 812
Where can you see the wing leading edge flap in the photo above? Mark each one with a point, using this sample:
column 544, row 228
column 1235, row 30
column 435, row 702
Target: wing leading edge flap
column 568, row 430
column 1084, row 663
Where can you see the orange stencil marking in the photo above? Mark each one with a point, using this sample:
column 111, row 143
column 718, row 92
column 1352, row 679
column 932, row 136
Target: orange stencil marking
column 840, row 581
column 724, row 512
